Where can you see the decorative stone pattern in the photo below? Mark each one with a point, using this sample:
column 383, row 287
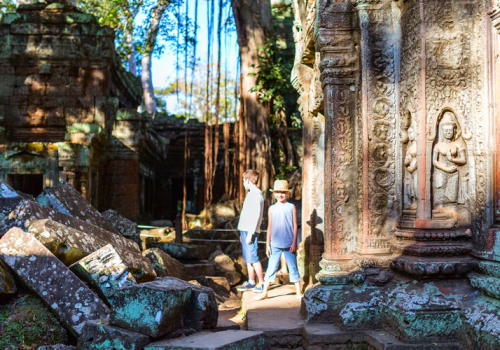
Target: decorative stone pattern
column 68, row 297
column 104, row 271
column 306, row 80
column 339, row 70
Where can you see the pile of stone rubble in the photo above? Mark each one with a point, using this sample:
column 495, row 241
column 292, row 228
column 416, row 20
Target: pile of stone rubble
column 98, row 284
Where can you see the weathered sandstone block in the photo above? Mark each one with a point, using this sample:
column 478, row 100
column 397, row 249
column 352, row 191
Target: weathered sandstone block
column 70, row 245
column 164, row 265
column 99, row 335
column 7, row 283
column 201, row 311
column 182, row 251
column 27, row 212
column 126, row 227
column 67, row 200
column 104, row 270
column 153, row 308
column 68, row 297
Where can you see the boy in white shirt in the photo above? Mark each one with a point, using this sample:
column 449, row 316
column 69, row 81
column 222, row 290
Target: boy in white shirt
column 249, row 223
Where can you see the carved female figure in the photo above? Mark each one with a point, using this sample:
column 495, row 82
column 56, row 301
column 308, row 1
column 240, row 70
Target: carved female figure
column 448, row 155
column 410, row 163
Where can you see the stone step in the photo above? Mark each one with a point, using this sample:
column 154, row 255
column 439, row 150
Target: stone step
column 488, row 285
column 491, row 268
column 320, row 335
column 182, row 251
column 229, row 339
column 200, row 269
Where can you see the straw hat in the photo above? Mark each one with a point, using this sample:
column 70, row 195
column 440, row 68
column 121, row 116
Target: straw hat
column 280, row 186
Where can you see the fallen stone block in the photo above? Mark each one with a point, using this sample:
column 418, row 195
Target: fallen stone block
column 67, row 200
column 26, row 322
column 182, row 251
column 7, row 282
column 230, row 339
column 67, row 296
column 27, row 212
column 201, row 312
column 56, row 347
column 220, row 285
column 164, row 265
column 126, row 227
column 200, row 269
column 100, row 335
column 104, row 270
column 153, row 308
column 226, row 267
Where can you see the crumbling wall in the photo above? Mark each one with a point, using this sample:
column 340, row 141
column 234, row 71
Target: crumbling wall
column 67, row 108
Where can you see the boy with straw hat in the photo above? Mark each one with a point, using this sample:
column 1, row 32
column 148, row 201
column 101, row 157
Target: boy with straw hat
column 281, row 238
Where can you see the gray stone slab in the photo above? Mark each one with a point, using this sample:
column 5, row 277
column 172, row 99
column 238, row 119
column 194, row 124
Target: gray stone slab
column 201, row 311
column 79, row 234
column 126, row 227
column 225, row 340
column 104, row 270
column 66, row 295
column 99, row 335
column 67, row 200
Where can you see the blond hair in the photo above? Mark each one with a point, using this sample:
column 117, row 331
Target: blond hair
column 251, row 175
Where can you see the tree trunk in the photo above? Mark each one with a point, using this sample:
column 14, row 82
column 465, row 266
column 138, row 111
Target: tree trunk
column 149, row 45
column 253, row 24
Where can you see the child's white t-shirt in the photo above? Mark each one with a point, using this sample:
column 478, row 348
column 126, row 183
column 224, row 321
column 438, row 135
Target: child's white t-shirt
column 251, row 212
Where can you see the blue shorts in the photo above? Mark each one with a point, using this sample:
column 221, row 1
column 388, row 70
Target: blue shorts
column 249, row 250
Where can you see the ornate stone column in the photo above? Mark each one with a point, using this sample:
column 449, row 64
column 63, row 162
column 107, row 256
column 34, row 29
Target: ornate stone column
column 336, row 42
column 487, row 246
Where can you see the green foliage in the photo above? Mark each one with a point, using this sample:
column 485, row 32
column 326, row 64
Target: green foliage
column 285, row 172
column 130, row 19
column 7, row 6
column 273, row 79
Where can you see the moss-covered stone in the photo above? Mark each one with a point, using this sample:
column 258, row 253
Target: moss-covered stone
column 26, row 322
column 154, row 308
column 101, row 336
column 7, row 283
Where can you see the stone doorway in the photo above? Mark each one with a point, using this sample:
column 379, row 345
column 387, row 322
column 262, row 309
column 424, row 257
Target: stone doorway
column 27, row 183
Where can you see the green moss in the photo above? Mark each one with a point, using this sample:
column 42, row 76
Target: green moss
column 26, row 322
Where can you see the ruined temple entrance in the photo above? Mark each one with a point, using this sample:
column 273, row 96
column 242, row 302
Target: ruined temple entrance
column 27, row 183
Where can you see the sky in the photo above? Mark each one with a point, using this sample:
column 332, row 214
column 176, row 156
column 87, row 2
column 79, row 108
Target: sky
column 164, row 66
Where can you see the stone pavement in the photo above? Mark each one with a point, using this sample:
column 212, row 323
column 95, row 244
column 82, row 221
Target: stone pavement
column 278, row 316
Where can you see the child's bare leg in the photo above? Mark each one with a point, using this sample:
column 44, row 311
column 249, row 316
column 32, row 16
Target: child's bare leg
column 263, row 295
column 251, row 272
column 283, row 264
column 258, row 269
column 297, row 289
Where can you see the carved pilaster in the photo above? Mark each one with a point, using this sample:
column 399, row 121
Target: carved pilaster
column 339, row 66
column 379, row 49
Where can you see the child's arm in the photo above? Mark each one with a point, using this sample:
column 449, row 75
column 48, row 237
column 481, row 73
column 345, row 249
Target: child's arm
column 293, row 247
column 268, row 236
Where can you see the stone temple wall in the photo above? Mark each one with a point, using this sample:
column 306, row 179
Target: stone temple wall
column 306, row 80
column 67, row 108
column 411, row 122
